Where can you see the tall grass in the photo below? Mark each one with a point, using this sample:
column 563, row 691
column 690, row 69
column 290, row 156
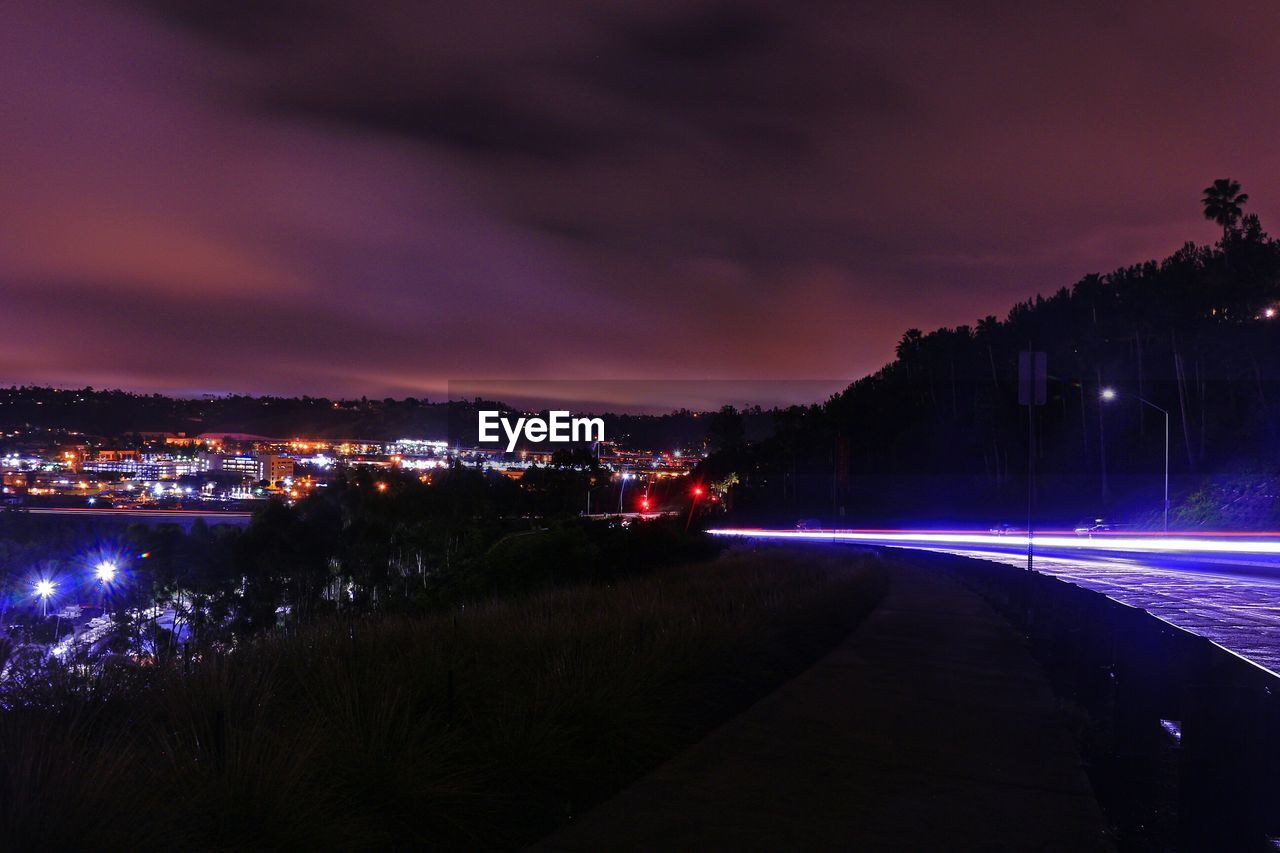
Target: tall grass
column 483, row 727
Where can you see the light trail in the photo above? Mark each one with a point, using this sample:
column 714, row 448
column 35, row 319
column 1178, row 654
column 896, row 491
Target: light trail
column 1223, row 586
column 1263, row 544
column 107, row 511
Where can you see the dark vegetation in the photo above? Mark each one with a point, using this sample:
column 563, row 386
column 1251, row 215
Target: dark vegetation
column 468, row 727
column 370, row 543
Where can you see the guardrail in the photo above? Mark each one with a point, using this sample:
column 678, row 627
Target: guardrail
column 1182, row 736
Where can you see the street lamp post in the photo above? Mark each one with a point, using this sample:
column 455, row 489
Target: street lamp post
column 44, row 588
column 1110, row 394
column 105, row 571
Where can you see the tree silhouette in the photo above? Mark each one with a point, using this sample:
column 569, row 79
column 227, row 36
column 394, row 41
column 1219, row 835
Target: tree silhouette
column 1222, row 203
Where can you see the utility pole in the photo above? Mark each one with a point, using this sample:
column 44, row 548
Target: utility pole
column 1166, row 472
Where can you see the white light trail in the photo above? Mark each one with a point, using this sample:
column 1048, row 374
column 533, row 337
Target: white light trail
column 1212, row 543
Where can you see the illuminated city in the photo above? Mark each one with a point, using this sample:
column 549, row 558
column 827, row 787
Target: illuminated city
column 691, row 426
column 238, row 472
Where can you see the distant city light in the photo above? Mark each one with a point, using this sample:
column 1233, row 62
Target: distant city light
column 1269, row 313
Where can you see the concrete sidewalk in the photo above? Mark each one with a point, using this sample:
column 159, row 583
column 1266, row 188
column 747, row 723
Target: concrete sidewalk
column 930, row 728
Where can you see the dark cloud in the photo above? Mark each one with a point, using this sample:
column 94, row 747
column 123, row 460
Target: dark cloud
column 473, row 121
column 248, row 24
column 704, row 36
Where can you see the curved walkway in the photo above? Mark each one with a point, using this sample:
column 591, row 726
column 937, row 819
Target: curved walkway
column 929, row 728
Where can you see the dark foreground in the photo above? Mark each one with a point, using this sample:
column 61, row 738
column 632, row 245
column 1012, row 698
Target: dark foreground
column 478, row 727
column 930, row 728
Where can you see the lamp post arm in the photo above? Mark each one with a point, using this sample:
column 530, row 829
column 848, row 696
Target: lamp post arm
column 1159, row 409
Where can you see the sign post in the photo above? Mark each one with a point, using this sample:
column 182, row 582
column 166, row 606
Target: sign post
column 1032, row 392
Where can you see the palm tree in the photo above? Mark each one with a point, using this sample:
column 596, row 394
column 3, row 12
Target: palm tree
column 1222, row 203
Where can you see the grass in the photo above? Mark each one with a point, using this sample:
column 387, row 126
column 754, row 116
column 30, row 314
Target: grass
column 483, row 727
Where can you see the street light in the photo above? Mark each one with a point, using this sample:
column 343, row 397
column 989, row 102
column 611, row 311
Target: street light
column 1109, row 394
column 622, row 487
column 44, row 588
column 105, row 571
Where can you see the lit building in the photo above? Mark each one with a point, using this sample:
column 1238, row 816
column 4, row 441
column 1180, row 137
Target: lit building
column 276, row 468
column 263, row 466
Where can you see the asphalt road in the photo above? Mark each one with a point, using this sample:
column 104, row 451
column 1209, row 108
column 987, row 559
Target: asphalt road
column 1222, row 586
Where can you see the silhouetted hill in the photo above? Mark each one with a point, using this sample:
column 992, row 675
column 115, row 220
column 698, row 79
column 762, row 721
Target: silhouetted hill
column 938, row 432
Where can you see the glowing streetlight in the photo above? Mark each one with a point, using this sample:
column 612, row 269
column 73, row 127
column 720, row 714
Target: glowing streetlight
column 1110, row 394
column 623, row 479
column 105, row 572
column 44, row 588
column 1269, row 313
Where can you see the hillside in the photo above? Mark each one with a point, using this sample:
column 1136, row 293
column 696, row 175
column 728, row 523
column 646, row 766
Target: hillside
column 938, row 432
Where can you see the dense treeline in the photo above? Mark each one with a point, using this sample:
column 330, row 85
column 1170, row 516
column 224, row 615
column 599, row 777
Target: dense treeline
column 115, row 415
column 939, row 430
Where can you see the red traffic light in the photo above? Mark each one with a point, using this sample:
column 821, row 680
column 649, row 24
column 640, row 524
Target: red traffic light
column 644, row 503
column 697, row 491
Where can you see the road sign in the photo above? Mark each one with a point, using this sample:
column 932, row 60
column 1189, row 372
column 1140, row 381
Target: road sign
column 1031, row 379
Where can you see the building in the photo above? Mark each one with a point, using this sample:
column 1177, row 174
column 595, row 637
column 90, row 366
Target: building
column 115, row 455
column 152, row 466
column 262, row 466
column 275, row 467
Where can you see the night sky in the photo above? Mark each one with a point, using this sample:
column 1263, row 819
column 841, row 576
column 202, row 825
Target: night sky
column 371, row 198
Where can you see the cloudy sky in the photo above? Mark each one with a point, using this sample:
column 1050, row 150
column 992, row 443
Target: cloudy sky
column 313, row 196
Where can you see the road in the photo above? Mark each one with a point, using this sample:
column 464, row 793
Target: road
column 155, row 516
column 1222, row 586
